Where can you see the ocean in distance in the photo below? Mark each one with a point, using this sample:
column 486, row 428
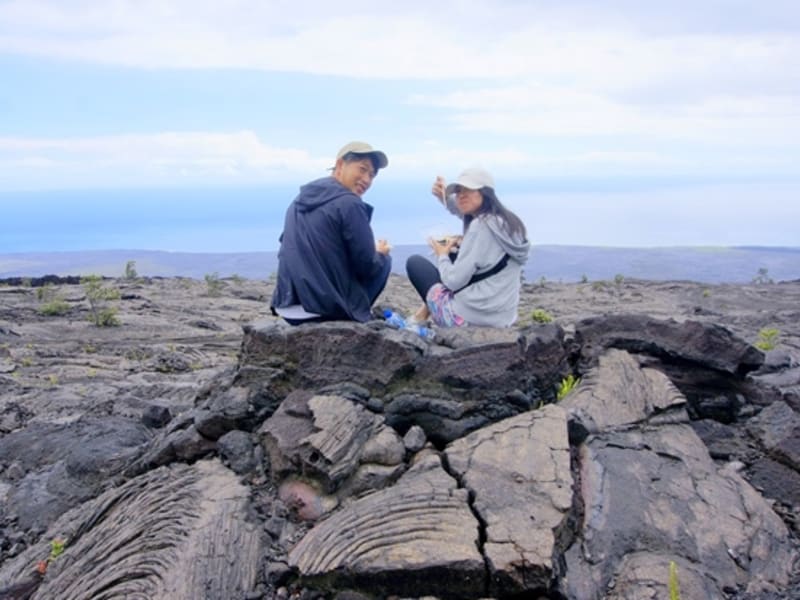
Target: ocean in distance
column 547, row 263
column 596, row 232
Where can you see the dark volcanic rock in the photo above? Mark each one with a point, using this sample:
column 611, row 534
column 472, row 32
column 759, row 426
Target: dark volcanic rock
column 236, row 448
column 60, row 466
column 711, row 346
column 178, row 532
column 777, row 428
column 346, row 460
column 448, row 391
column 156, row 416
column 294, row 358
column 418, row 537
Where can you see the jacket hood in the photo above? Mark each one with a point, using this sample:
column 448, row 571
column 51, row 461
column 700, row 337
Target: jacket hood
column 515, row 247
column 319, row 192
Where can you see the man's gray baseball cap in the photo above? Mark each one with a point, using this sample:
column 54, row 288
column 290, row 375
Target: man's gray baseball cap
column 363, row 148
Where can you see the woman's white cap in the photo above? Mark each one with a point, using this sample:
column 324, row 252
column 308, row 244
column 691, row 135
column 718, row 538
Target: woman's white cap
column 473, row 178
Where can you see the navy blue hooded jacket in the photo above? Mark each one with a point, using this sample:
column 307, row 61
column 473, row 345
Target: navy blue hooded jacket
column 327, row 253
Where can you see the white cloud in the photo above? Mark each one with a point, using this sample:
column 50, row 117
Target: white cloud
column 156, row 158
column 550, row 111
column 681, row 81
column 414, row 40
column 171, row 158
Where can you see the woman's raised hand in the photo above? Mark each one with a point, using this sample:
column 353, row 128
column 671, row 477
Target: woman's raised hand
column 438, row 189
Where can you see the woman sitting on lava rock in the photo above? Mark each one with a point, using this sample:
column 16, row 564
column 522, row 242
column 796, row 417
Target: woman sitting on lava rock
column 477, row 275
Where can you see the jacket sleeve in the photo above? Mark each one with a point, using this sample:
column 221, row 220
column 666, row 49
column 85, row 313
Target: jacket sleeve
column 359, row 240
column 471, row 259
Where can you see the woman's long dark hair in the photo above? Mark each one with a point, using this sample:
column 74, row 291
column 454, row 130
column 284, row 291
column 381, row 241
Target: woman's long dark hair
column 492, row 206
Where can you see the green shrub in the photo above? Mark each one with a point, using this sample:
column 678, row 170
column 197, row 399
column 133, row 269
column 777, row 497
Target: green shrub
column 53, row 304
column 762, row 277
column 54, row 308
column 45, row 293
column 767, row 339
column 130, row 270
column 107, row 317
column 540, row 315
column 214, row 284
column 98, row 296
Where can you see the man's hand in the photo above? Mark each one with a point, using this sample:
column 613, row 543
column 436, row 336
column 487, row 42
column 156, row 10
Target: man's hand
column 383, row 247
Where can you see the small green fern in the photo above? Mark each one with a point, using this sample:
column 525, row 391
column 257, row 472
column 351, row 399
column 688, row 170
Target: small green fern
column 674, row 591
column 767, row 339
column 539, row 315
column 567, row 384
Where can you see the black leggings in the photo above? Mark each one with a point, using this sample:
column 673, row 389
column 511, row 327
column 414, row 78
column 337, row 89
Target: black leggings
column 422, row 274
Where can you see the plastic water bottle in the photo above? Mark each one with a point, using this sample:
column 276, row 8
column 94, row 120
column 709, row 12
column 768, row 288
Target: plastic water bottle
column 422, row 331
column 393, row 319
column 398, row 322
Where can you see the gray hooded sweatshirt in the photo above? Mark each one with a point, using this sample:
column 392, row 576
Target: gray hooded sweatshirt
column 493, row 301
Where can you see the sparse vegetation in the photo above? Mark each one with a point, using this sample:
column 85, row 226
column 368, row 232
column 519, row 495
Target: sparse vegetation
column 137, row 354
column 52, row 303
column 237, row 279
column 45, row 293
column 767, row 339
column 762, row 277
column 54, row 308
column 57, row 546
column 539, row 315
column 214, row 284
column 584, row 278
column 674, row 591
column 567, row 384
column 130, row 270
column 98, row 296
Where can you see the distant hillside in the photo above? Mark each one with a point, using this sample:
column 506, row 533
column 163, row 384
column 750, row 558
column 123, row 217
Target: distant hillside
column 554, row 263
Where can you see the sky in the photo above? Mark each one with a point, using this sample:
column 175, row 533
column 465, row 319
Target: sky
column 618, row 123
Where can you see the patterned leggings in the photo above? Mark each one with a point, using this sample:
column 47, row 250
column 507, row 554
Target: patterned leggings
column 424, row 276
